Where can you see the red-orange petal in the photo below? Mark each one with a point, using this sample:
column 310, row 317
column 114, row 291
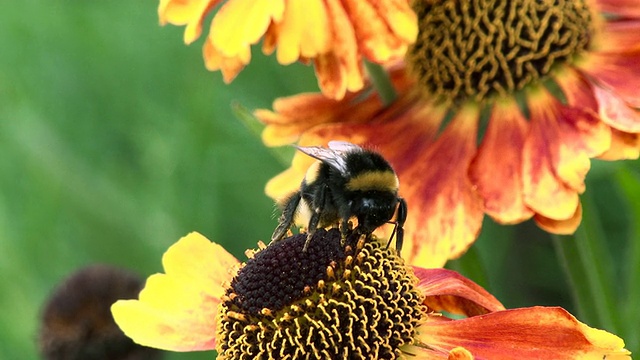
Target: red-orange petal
column 615, row 112
column 375, row 38
column 497, row 168
column 340, row 68
column 543, row 191
column 177, row 310
column 624, row 8
column 446, row 213
column 618, row 36
column 526, row 333
column 449, row 291
column 607, row 69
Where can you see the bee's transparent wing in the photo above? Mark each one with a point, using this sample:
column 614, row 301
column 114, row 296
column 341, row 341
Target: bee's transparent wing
column 343, row 146
column 331, row 157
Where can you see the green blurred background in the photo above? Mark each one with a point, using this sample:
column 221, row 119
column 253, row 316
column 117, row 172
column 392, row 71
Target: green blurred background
column 115, row 141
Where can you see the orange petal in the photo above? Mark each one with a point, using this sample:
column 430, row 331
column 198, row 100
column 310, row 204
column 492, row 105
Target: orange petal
column 375, row 38
column 241, row 23
column 177, row 310
column 449, row 291
column 526, row 333
column 340, row 68
column 607, row 68
column 623, row 146
column 563, row 227
column 399, row 17
column 497, row 168
column 294, row 115
column 445, row 213
column 543, row 191
column 581, row 128
column 190, row 13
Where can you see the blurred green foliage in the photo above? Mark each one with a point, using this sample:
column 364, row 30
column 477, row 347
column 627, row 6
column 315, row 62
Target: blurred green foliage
column 115, row 141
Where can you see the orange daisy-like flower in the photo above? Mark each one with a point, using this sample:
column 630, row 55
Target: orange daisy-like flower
column 335, row 34
column 544, row 86
column 339, row 301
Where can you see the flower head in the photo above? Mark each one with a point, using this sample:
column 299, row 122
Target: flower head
column 77, row 323
column 335, row 35
column 350, row 298
column 500, row 109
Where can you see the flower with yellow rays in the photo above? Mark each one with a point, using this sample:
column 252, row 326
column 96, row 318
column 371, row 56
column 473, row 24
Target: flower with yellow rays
column 545, row 86
column 342, row 299
column 335, row 34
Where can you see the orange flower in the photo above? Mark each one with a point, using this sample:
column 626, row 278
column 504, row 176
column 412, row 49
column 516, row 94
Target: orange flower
column 203, row 302
column 336, row 35
column 556, row 85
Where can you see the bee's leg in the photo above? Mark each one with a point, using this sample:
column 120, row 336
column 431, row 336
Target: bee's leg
column 401, row 217
column 286, row 219
column 318, row 206
column 344, row 230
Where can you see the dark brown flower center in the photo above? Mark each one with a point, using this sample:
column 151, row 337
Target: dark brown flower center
column 362, row 305
column 476, row 49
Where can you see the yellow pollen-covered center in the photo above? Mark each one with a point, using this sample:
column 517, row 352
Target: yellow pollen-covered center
column 477, row 49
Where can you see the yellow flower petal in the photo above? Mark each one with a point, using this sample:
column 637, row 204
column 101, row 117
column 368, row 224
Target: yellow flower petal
column 303, row 31
column 177, row 310
column 241, row 23
column 190, row 13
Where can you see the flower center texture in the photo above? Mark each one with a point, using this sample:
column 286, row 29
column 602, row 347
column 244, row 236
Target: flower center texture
column 477, row 49
column 351, row 299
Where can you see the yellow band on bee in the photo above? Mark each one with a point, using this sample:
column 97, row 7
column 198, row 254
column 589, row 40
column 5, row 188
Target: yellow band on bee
column 374, row 180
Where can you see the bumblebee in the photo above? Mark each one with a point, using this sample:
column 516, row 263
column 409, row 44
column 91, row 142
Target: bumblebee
column 347, row 181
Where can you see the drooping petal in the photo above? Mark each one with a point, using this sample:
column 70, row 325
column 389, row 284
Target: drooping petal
column 177, row 310
column 340, row 68
column 446, row 213
column 623, row 146
column 449, row 291
column 190, row 13
column 543, row 191
column 562, row 227
column 292, row 116
column 230, row 66
column 372, row 24
column 607, row 69
column 526, row 333
column 241, row 23
column 497, row 168
column 615, row 112
column 302, row 31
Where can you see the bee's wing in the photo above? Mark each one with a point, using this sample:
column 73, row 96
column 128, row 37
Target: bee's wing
column 343, row 146
column 331, row 157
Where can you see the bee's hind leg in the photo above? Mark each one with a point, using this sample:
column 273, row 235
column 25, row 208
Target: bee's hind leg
column 286, row 219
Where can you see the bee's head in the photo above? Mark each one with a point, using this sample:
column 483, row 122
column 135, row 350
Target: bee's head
column 373, row 209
